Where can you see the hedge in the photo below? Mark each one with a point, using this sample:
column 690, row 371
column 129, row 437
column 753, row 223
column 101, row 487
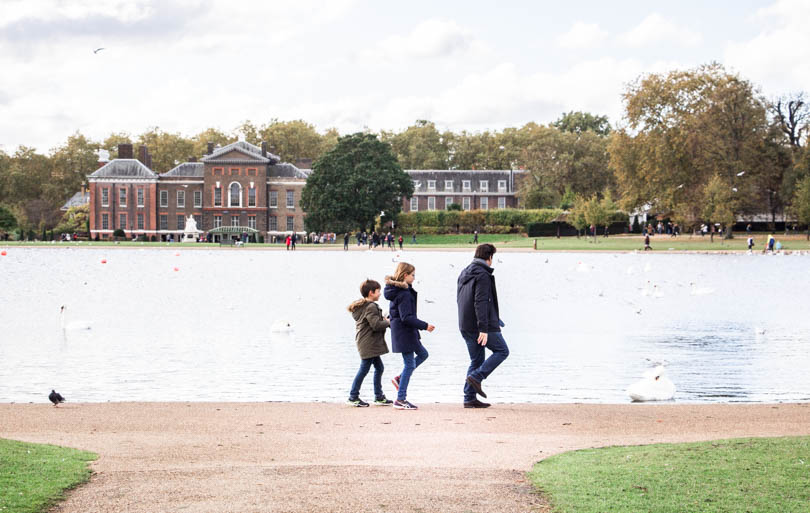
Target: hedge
column 489, row 221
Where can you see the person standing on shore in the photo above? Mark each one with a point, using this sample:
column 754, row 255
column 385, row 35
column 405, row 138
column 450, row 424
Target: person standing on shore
column 480, row 323
column 405, row 326
column 370, row 326
column 293, row 239
column 400, row 242
column 346, row 241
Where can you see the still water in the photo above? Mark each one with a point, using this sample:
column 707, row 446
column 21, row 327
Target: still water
column 581, row 327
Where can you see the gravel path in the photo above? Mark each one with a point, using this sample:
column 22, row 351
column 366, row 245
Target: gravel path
column 293, row 457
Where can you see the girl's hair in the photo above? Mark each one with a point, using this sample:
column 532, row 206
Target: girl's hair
column 403, row 268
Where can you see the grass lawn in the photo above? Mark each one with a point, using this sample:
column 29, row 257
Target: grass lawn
column 34, row 476
column 740, row 475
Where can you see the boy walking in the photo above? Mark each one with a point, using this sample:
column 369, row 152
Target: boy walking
column 370, row 326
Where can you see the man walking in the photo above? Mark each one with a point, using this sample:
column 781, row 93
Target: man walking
column 480, row 323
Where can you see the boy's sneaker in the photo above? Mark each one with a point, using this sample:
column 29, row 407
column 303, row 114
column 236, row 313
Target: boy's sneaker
column 404, row 405
column 395, row 381
column 359, row 403
column 382, row 401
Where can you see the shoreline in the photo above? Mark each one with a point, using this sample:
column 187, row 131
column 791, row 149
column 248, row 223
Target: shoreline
column 302, row 457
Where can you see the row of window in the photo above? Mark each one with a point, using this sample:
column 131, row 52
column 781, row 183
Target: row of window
column 448, row 200
column 181, row 222
column 466, row 185
column 234, row 199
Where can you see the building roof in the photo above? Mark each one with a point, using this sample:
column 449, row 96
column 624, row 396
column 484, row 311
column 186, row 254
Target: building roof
column 123, row 168
column 251, row 151
column 194, row 169
column 287, row 170
column 77, row 200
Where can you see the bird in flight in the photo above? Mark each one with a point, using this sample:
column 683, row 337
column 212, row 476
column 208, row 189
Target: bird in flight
column 56, row 398
column 98, row 49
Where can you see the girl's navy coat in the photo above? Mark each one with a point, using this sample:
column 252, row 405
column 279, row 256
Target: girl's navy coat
column 405, row 325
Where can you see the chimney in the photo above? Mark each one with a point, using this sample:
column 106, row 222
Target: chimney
column 124, row 151
column 148, row 160
column 210, row 148
column 264, row 149
column 192, row 159
column 142, row 152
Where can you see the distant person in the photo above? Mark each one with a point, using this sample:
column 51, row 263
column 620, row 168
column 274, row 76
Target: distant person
column 346, row 241
column 288, row 241
column 750, row 243
column 647, row 242
column 771, row 242
column 293, row 239
column 480, row 323
column 475, row 237
column 370, row 326
column 748, row 229
column 405, row 327
column 413, row 238
column 400, row 242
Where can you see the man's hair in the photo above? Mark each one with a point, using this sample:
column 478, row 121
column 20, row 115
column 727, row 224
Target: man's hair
column 485, row 251
column 368, row 286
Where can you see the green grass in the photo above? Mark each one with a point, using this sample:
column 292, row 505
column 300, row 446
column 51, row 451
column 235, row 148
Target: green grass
column 742, row 475
column 34, row 476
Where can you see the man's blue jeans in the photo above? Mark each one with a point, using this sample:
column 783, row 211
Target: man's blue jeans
column 365, row 365
column 479, row 368
column 409, row 365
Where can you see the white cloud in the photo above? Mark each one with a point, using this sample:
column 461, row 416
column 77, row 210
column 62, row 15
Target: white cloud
column 656, row 29
column 582, row 35
column 430, row 39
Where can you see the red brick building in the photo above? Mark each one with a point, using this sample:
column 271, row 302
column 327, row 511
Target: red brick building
column 239, row 188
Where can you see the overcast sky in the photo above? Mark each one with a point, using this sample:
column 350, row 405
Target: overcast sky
column 188, row 65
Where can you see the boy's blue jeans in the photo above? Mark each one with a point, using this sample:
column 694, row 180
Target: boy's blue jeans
column 365, row 366
column 479, row 368
column 410, row 363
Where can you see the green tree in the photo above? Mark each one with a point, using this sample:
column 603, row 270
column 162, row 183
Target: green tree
column 420, row 146
column 352, row 183
column 74, row 220
column 72, row 162
column 576, row 217
column 718, row 203
column 801, row 203
column 293, row 140
column 113, row 140
column 580, row 122
column 200, row 141
column 7, row 221
column 167, row 150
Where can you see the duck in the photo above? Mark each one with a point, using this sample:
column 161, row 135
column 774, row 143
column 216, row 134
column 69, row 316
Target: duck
column 281, row 326
column 654, row 386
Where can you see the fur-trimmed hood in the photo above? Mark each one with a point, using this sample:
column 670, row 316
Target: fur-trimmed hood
column 389, row 280
column 357, row 304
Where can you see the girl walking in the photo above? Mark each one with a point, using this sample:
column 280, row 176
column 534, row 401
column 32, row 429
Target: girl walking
column 405, row 326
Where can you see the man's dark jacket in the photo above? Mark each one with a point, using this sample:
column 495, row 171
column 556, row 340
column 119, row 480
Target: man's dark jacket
column 477, row 299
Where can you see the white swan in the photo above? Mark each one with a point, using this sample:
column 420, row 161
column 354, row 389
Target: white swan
column 71, row 325
column 655, row 386
column 700, row 291
column 646, row 291
column 281, row 326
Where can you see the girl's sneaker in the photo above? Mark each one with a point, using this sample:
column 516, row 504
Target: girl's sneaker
column 395, row 381
column 359, row 403
column 404, row 405
column 382, row 401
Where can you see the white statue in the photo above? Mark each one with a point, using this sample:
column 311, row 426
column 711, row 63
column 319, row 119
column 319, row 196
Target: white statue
column 191, row 233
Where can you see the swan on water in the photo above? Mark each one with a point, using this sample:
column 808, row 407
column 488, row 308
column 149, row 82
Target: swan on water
column 654, row 386
column 75, row 325
column 281, row 326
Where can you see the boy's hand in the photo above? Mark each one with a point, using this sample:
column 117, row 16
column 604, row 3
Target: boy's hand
column 431, row 327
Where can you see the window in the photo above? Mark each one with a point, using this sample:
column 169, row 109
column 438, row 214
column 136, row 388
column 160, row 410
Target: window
column 484, row 203
column 501, row 202
column 252, row 197
column 483, row 186
column 198, row 199
column 164, row 198
column 431, row 203
column 414, row 204
column 218, row 197
column 105, row 197
column 217, row 221
column 181, row 199
column 465, row 204
column 234, row 171
column 431, row 185
column 235, row 199
column 273, row 199
column 140, row 221
column 290, row 223
column 234, row 220
column 448, row 185
column 140, row 196
column 447, row 202
column 252, row 222
column 273, row 224
column 501, row 185
column 164, row 222
column 181, row 222
column 465, row 186
column 416, row 185
column 122, row 197
column 290, row 199
column 122, row 221
column 105, row 221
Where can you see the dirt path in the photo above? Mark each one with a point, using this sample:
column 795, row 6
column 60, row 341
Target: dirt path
column 288, row 457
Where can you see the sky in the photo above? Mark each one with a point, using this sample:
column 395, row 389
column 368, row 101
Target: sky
column 187, row 65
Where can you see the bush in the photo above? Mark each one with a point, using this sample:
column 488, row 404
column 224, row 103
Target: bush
column 261, row 239
column 152, row 238
column 119, row 233
column 447, row 221
column 455, row 207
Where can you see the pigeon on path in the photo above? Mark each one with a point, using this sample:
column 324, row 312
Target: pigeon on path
column 56, row 398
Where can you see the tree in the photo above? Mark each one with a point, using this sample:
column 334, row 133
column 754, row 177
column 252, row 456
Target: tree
column 801, row 203
column 455, row 206
column 72, row 162
column 718, row 203
column 74, row 220
column 293, row 140
column 7, row 220
column 792, row 115
column 113, row 140
column 576, row 217
column 352, row 183
column 200, row 141
column 419, row 146
column 167, row 150
column 580, row 122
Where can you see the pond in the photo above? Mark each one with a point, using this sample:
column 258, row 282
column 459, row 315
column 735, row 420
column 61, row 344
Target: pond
column 181, row 324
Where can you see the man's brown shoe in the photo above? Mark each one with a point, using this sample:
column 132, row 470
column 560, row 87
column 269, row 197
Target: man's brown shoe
column 476, row 404
column 476, row 386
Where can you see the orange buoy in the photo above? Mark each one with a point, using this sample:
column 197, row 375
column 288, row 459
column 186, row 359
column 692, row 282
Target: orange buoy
column 176, row 269
column 104, row 261
column 177, row 254
column 3, row 253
